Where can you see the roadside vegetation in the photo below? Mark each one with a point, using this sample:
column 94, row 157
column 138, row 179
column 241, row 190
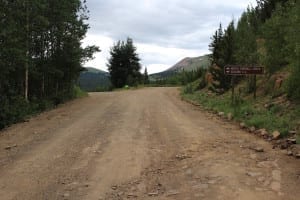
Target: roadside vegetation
column 78, row 93
column 264, row 36
column 254, row 113
column 41, row 55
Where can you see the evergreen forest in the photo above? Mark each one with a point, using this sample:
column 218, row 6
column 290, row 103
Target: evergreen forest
column 41, row 55
column 267, row 35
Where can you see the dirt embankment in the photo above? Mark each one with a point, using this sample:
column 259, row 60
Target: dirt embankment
column 143, row 144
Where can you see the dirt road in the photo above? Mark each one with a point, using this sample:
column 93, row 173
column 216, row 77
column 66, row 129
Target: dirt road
column 142, row 144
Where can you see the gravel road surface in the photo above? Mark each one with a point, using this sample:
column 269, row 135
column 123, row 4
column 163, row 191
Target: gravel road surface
column 140, row 144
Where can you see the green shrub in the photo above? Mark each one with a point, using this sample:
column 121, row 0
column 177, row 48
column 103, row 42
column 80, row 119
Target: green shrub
column 78, row 93
column 13, row 110
column 298, row 139
column 188, row 89
column 45, row 104
column 293, row 88
column 104, row 88
column 194, row 86
column 275, row 109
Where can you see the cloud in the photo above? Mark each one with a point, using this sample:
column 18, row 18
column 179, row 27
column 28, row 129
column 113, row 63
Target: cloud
column 164, row 31
column 104, row 43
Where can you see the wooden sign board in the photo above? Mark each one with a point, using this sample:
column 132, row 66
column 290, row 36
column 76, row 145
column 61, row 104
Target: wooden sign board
column 239, row 70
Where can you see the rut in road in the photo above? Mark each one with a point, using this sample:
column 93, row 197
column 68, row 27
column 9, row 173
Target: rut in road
column 140, row 144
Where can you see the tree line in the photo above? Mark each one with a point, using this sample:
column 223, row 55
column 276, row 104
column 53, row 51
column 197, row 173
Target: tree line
column 41, row 55
column 265, row 35
column 178, row 78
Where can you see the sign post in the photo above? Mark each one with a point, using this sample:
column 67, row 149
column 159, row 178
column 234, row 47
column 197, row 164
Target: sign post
column 240, row 70
column 232, row 89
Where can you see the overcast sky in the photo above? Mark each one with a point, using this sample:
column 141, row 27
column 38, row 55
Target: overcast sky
column 164, row 31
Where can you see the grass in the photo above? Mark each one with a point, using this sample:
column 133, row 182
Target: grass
column 251, row 112
column 78, row 93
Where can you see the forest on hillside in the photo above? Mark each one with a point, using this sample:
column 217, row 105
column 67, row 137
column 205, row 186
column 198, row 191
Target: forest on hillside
column 94, row 80
column 267, row 105
column 40, row 54
column 267, row 35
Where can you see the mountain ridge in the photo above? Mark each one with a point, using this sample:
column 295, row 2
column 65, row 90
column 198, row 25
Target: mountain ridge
column 94, row 70
column 93, row 79
column 191, row 63
column 185, row 64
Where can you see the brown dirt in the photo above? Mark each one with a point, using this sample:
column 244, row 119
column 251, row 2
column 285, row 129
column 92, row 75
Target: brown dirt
column 141, row 144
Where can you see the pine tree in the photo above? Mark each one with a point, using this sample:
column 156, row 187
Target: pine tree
column 293, row 49
column 265, row 8
column 146, row 76
column 246, row 47
column 274, row 32
column 222, row 48
column 215, row 46
column 123, row 65
column 246, row 50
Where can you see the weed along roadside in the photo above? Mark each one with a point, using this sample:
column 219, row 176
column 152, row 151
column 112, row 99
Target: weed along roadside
column 275, row 120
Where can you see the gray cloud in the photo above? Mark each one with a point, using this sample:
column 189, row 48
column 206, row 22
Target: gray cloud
column 186, row 24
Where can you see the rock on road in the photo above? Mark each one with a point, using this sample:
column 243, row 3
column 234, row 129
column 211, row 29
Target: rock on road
column 139, row 144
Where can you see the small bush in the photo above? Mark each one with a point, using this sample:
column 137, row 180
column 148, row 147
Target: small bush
column 14, row 110
column 256, row 121
column 194, row 86
column 104, row 89
column 45, row 105
column 293, row 88
column 298, row 139
column 188, row 89
column 275, row 109
column 78, row 93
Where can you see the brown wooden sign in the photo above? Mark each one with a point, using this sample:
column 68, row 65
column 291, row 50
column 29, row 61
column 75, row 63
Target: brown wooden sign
column 239, row 70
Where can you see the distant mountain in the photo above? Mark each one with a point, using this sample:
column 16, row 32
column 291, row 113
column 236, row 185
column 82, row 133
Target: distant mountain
column 93, row 80
column 186, row 64
column 94, row 70
column 189, row 64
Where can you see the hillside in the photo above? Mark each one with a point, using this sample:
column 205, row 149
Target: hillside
column 186, row 64
column 94, row 70
column 189, row 64
column 93, row 80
